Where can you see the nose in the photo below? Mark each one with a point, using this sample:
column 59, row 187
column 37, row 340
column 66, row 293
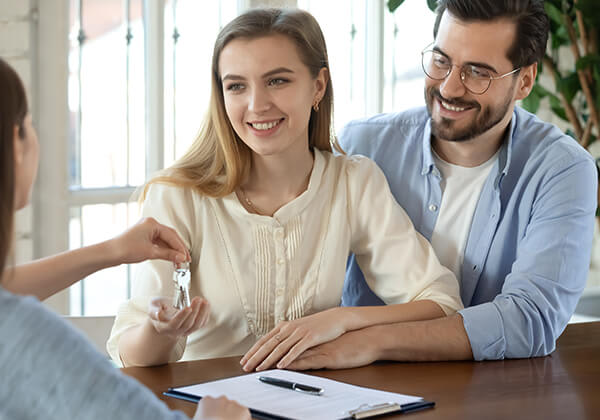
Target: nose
column 259, row 101
column 452, row 86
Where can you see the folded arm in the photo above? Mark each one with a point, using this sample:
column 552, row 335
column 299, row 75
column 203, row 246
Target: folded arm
column 540, row 293
column 431, row 340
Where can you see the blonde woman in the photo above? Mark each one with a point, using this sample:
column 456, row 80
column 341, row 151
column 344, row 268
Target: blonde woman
column 270, row 216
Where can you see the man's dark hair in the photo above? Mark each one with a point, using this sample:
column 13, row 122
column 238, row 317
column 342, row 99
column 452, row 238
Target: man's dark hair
column 530, row 17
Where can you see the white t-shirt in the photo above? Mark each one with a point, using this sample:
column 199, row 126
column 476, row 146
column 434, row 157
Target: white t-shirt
column 461, row 187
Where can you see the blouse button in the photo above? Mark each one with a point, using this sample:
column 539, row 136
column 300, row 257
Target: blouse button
column 433, row 207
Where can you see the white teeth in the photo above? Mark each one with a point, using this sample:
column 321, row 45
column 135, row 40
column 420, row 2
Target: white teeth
column 452, row 108
column 265, row 126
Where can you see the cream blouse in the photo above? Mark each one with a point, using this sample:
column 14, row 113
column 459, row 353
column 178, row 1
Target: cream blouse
column 256, row 271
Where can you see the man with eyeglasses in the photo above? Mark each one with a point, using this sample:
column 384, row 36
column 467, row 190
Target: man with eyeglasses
column 507, row 200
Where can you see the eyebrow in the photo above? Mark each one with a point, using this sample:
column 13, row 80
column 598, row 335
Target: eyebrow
column 471, row 63
column 267, row 74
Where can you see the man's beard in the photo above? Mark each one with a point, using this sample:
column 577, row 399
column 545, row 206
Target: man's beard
column 484, row 120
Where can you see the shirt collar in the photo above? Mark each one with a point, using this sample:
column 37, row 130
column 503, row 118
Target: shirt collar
column 504, row 157
column 428, row 162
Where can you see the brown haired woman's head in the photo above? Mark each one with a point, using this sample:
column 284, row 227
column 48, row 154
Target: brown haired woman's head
column 18, row 156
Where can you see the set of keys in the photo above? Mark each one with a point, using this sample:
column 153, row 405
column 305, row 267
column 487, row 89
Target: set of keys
column 182, row 278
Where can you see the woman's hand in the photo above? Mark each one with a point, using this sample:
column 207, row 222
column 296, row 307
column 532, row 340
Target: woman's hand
column 148, row 240
column 284, row 343
column 220, row 408
column 174, row 323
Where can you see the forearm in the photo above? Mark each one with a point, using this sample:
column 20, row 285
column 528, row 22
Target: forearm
column 355, row 318
column 431, row 340
column 47, row 276
column 142, row 345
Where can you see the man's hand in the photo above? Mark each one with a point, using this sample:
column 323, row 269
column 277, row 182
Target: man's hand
column 353, row 349
column 220, row 408
column 148, row 240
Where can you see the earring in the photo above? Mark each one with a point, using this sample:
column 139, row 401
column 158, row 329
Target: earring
column 316, row 105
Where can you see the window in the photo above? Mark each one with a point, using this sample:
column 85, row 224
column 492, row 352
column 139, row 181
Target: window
column 115, row 46
column 407, row 32
column 139, row 81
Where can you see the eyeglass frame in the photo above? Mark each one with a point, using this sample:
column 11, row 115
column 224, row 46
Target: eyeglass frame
column 428, row 49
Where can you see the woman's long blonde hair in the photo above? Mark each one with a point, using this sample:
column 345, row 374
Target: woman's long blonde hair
column 218, row 161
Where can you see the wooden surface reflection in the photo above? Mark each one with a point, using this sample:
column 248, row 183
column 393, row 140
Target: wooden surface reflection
column 564, row 385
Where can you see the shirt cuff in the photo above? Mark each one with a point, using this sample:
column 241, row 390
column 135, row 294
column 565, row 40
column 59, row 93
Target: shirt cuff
column 485, row 329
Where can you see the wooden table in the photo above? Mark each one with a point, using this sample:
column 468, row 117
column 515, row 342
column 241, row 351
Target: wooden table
column 564, row 385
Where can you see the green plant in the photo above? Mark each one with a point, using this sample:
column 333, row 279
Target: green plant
column 573, row 38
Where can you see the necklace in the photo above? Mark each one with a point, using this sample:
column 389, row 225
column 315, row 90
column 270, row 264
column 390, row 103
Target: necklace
column 249, row 202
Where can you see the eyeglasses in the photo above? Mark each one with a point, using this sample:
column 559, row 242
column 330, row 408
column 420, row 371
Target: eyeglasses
column 475, row 79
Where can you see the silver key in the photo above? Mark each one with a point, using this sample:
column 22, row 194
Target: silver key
column 182, row 278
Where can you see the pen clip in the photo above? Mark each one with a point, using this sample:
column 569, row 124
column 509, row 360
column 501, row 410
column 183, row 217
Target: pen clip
column 303, row 388
column 367, row 410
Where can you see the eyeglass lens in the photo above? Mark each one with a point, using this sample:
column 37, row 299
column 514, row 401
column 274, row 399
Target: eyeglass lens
column 437, row 66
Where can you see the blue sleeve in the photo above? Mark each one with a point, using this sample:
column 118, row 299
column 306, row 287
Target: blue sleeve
column 49, row 370
column 547, row 278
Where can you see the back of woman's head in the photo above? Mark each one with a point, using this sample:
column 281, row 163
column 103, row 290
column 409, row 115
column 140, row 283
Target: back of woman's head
column 218, row 161
column 13, row 110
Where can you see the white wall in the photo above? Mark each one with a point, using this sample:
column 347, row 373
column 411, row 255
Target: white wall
column 32, row 35
column 16, row 49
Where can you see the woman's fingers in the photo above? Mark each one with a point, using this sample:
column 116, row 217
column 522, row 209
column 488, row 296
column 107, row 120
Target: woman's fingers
column 205, row 314
column 263, row 352
column 201, row 309
column 278, row 352
column 298, row 348
column 167, row 239
column 264, row 339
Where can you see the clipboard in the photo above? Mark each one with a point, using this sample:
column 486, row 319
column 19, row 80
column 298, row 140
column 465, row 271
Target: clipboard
column 338, row 402
column 256, row 414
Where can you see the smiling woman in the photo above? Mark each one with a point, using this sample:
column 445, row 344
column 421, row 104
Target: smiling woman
column 270, row 216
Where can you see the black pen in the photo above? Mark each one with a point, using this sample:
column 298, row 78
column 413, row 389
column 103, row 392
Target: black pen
column 294, row 386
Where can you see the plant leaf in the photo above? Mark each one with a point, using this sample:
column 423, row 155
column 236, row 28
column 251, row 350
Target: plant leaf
column 590, row 11
column 532, row 102
column 588, row 61
column 432, row 4
column 554, row 13
column 559, row 37
column 394, row 4
column 557, row 108
column 569, row 86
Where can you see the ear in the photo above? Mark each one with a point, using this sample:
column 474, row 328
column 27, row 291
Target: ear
column 526, row 81
column 321, row 83
column 18, row 146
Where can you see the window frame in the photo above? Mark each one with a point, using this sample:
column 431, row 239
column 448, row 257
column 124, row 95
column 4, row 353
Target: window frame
column 52, row 197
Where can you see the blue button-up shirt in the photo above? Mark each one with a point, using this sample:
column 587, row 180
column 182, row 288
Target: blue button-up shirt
column 528, row 250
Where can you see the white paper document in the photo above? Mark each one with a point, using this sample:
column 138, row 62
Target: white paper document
column 337, row 400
